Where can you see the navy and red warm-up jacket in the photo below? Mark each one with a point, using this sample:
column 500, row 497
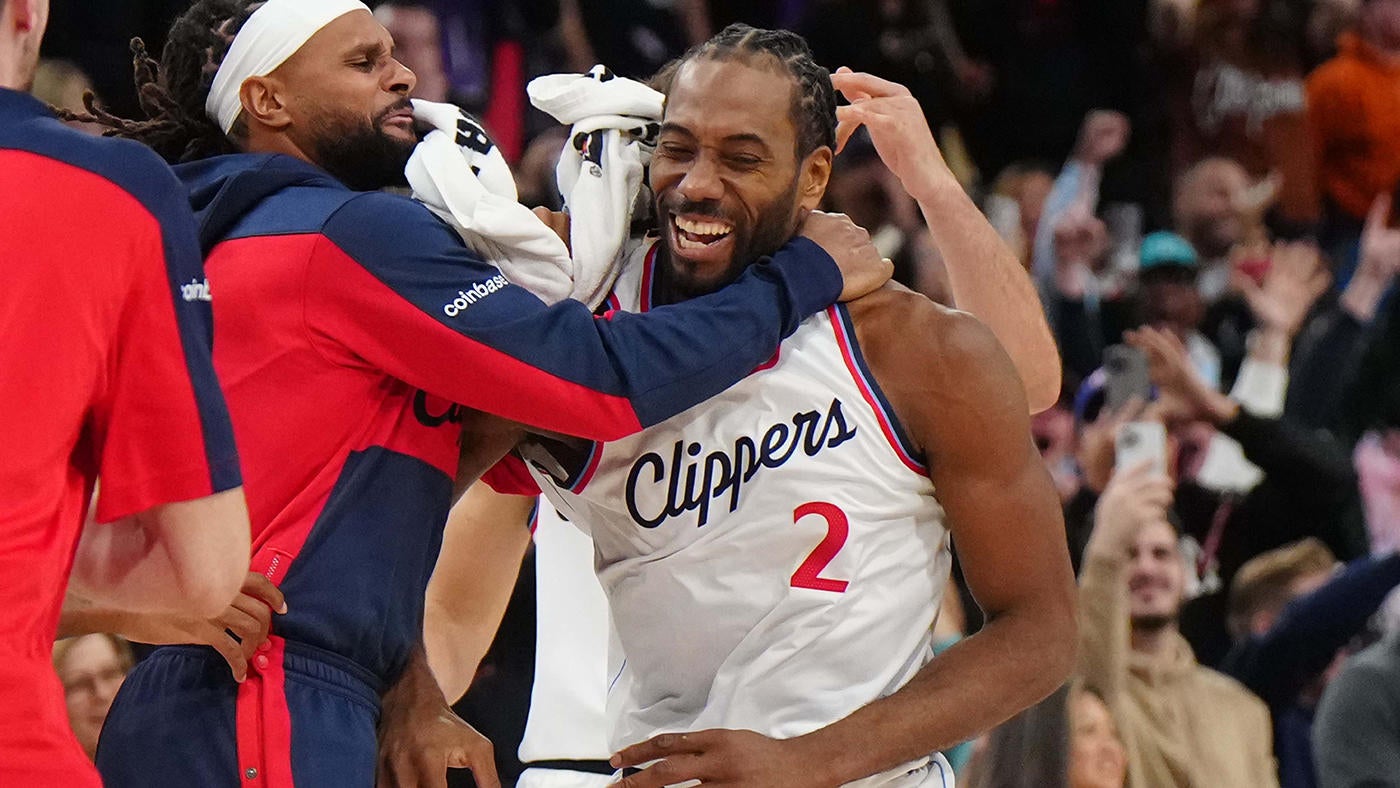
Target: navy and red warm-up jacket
column 348, row 324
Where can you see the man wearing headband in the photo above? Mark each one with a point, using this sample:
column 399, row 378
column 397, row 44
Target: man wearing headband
column 105, row 373
column 355, row 333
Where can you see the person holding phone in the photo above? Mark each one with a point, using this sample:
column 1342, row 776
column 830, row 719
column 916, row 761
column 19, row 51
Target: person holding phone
column 1183, row 723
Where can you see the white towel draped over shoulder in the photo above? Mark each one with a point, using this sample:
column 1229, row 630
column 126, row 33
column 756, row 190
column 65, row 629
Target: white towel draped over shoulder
column 459, row 174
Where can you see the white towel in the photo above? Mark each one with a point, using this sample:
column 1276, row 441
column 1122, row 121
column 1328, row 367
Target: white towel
column 614, row 122
column 459, row 174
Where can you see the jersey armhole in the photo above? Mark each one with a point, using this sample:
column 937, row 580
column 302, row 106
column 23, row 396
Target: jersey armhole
column 844, row 329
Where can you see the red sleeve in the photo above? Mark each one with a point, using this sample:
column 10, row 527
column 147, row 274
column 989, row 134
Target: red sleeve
column 160, row 424
column 510, row 477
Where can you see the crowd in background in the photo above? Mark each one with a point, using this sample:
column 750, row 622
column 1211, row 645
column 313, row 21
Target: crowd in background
column 1204, row 192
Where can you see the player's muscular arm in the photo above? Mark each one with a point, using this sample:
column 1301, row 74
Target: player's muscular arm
column 957, row 394
column 987, row 279
column 955, row 390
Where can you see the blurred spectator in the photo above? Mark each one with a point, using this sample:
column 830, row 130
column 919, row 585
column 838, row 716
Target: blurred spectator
column 1239, row 93
column 1377, row 459
column 1216, row 207
column 1166, row 296
column 418, row 45
column 1358, row 722
column 1074, row 198
column 1016, row 203
column 1331, row 348
column 91, row 669
column 1069, row 739
column 486, row 48
column 61, row 84
column 1302, row 483
column 1292, row 613
column 1355, row 113
column 1183, row 724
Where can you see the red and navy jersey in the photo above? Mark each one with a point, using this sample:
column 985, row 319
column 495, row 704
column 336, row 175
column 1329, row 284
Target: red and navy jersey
column 105, row 371
column 351, row 328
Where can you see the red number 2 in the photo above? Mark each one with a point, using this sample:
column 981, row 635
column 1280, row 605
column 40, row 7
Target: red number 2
column 837, row 528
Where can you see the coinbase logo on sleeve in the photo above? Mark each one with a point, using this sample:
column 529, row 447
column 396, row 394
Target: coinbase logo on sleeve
column 196, row 290
column 476, row 292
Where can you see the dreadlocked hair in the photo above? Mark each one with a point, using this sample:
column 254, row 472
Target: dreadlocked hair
column 173, row 92
column 813, row 108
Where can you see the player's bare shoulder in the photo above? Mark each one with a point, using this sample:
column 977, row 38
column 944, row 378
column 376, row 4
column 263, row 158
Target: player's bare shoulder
column 924, row 354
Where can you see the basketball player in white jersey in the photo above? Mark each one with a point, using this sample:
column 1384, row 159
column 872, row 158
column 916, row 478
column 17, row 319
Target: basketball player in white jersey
column 774, row 557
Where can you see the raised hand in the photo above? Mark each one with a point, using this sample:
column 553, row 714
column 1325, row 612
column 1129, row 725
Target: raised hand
column 896, row 124
column 1135, row 497
column 1295, row 280
column 1378, row 264
column 1181, row 393
column 1103, row 135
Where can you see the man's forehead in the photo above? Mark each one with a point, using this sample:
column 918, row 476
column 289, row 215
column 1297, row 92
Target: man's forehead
column 725, row 98
column 349, row 33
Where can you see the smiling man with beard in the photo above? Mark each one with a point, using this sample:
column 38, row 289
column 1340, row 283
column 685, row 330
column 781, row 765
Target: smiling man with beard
column 1183, row 724
column 350, row 356
column 774, row 557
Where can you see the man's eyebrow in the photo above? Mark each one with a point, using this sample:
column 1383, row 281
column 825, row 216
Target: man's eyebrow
column 370, row 49
column 676, row 128
column 747, row 137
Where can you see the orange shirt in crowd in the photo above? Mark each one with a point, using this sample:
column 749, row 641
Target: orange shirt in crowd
column 1354, row 107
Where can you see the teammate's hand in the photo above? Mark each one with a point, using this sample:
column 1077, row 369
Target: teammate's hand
column 235, row 633
column 863, row 270
column 897, row 128
column 717, row 757
column 249, row 618
column 420, row 737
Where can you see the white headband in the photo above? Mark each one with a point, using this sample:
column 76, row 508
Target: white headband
column 271, row 35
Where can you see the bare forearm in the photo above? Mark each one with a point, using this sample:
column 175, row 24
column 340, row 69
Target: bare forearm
column 454, row 650
column 1012, row 663
column 83, row 616
column 122, row 566
column 988, row 281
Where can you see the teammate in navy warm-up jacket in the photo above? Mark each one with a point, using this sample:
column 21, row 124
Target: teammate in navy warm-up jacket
column 352, row 331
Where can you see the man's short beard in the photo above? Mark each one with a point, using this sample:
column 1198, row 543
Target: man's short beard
column 1155, row 623
column 771, row 229
column 359, row 154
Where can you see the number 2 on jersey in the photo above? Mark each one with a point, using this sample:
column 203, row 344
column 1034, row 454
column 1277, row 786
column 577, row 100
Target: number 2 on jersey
column 837, row 528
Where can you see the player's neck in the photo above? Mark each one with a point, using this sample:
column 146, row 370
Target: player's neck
column 666, row 289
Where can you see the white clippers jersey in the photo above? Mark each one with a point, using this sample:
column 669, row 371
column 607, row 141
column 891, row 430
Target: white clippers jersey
column 773, row 557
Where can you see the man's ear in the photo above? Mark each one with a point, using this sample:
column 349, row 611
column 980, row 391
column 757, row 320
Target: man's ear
column 263, row 102
column 812, row 179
